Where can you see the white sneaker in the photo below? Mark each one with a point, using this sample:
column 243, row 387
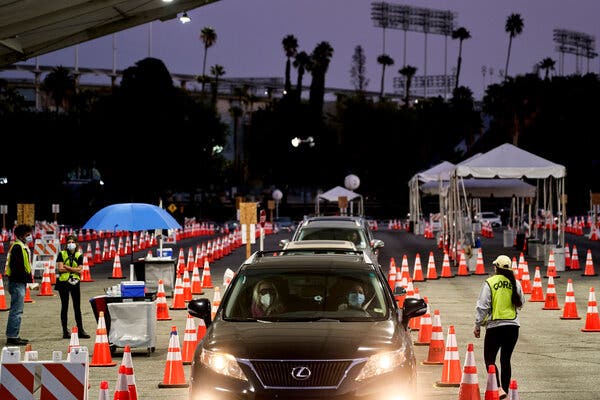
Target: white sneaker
column 502, row 394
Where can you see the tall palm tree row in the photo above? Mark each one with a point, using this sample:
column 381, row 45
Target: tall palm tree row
column 290, row 47
column 460, row 34
column 408, row 71
column 514, row 27
column 302, row 62
column 208, row 36
column 385, row 60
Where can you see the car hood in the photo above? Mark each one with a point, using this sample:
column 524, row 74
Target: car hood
column 303, row 339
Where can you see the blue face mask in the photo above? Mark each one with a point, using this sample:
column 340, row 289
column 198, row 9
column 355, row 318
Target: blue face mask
column 355, row 299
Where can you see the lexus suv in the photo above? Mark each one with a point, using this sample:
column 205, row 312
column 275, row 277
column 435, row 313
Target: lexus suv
column 313, row 336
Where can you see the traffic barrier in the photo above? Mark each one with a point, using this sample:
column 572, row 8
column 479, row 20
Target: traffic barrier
column 3, row 305
column 469, row 383
column 446, row 272
column 162, row 310
column 424, row 337
column 418, row 270
column 431, row 271
column 101, row 356
column 592, row 321
column 589, row 265
column 537, row 292
column 190, row 340
column 206, row 278
column 117, row 272
column 451, row 374
column 513, row 392
column 127, row 362
column 491, row 390
column 570, row 310
column 435, row 355
column 551, row 302
column 174, row 376
column 178, row 302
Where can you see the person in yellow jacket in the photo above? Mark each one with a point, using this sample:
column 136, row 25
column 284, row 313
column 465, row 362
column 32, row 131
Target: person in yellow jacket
column 69, row 263
column 18, row 271
column 500, row 297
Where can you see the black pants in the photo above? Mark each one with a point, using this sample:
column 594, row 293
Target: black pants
column 64, row 289
column 503, row 339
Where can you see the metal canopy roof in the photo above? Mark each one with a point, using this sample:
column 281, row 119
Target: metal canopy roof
column 29, row 28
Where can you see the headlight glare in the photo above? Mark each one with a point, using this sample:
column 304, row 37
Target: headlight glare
column 381, row 363
column 222, row 363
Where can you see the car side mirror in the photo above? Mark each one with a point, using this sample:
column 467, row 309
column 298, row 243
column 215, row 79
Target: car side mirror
column 200, row 308
column 377, row 244
column 283, row 242
column 413, row 307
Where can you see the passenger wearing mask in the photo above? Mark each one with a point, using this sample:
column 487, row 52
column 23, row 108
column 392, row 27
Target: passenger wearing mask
column 355, row 300
column 265, row 300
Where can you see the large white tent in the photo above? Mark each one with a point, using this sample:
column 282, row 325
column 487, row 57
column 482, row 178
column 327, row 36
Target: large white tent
column 333, row 195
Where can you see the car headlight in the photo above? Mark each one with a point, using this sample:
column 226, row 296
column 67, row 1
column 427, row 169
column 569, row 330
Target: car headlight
column 222, row 363
column 381, row 363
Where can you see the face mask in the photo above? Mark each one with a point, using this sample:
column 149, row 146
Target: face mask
column 356, row 299
column 29, row 238
column 265, row 300
column 71, row 246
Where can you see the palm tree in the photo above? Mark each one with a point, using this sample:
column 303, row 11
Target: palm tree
column 59, row 84
column 514, row 27
column 384, row 60
column 460, row 34
column 302, row 62
column 408, row 71
column 208, row 36
column 320, row 57
column 547, row 64
column 290, row 47
column 217, row 71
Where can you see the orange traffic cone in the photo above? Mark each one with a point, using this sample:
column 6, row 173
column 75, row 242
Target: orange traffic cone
column 525, row 279
column 206, row 279
column 491, row 391
column 392, row 273
column 418, row 271
column 162, row 310
column 178, row 299
column 551, row 269
column 190, row 340
column 216, row 302
column 513, row 393
column 196, row 281
column 190, row 260
column 46, row 286
column 431, row 271
column 3, row 306
column 174, row 376
column 469, row 383
column 551, row 302
column 415, row 323
column 446, row 272
column 103, row 393
column 451, row 374
column 51, row 271
column 570, row 311
column 27, row 298
column 436, row 345
column 127, row 362
column 589, row 265
column 187, row 286
column 121, row 390
column 592, row 321
column 101, row 356
column 424, row 337
column 404, row 271
column 73, row 341
column 117, row 273
column 480, row 266
column 97, row 253
column 86, row 276
column 537, row 293
column 180, row 262
column 463, row 270
column 575, row 259
column 567, row 256
column 201, row 331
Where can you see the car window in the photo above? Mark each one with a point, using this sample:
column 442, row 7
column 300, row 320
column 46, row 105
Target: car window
column 356, row 236
column 308, row 295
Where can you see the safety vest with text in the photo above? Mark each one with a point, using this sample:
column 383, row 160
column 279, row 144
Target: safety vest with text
column 502, row 305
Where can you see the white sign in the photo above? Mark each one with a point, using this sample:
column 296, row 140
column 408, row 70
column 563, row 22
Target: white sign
column 252, row 234
column 3, row 209
column 56, row 208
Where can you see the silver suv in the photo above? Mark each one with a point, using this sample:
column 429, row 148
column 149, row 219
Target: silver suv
column 349, row 228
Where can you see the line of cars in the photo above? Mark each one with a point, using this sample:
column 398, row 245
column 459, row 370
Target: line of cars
column 331, row 327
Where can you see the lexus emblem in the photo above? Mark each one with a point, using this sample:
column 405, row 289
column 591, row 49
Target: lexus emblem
column 301, row 373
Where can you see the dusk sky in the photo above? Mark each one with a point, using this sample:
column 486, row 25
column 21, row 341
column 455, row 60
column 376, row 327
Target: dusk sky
column 249, row 35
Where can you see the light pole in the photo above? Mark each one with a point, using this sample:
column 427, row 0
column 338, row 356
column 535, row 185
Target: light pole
column 277, row 196
column 309, row 140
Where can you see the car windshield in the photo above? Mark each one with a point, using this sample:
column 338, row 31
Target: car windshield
column 355, row 236
column 307, row 295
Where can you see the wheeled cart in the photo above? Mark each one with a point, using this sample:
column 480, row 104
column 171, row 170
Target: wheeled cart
column 133, row 324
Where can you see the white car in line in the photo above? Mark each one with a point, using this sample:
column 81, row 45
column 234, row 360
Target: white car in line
column 490, row 217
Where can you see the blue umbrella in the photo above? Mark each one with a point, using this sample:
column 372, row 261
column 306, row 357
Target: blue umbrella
column 131, row 217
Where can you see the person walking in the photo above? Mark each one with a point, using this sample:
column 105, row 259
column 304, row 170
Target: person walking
column 69, row 264
column 18, row 272
column 500, row 297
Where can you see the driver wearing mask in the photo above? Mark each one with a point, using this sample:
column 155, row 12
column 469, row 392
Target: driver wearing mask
column 355, row 299
column 265, row 300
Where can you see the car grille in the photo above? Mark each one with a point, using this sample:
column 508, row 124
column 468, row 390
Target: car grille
column 324, row 374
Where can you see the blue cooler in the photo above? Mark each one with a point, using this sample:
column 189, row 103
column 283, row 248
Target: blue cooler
column 166, row 252
column 133, row 289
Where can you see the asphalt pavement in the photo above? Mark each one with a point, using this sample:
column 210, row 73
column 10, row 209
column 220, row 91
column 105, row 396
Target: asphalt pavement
column 553, row 359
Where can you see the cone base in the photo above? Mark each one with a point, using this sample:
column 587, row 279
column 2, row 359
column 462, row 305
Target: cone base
column 420, row 344
column 173, row 385
column 570, row 317
column 5, row 309
column 446, row 384
column 51, row 294
column 589, row 275
column 163, row 319
column 551, row 308
column 432, row 362
column 112, row 364
column 590, row 330
column 433, row 279
column 116, row 277
column 554, row 276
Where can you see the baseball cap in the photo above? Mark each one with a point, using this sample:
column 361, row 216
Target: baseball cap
column 503, row 262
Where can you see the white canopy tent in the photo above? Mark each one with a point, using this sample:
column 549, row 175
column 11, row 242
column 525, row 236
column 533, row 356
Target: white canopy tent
column 485, row 188
column 333, row 195
column 433, row 176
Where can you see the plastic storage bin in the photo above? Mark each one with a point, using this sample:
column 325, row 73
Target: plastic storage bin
column 133, row 324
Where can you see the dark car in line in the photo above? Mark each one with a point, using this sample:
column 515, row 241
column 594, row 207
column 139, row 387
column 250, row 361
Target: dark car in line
column 322, row 339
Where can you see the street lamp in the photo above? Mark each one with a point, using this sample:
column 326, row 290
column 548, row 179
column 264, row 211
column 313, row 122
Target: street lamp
column 277, row 196
column 309, row 140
